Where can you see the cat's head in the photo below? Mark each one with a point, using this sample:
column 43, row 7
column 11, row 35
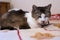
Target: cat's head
column 41, row 14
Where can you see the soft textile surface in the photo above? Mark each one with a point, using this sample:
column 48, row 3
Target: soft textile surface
column 8, row 35
column 26, row 34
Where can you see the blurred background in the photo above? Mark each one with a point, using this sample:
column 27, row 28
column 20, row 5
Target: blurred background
column 27, row 4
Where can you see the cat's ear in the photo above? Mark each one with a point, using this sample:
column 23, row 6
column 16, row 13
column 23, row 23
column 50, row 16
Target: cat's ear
column 48, row 7
column 34, row 7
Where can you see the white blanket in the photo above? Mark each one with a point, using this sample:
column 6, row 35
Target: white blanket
column 26, row 34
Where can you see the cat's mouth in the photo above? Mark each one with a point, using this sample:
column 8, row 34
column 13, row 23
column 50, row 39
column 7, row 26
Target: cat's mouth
column 44, row 24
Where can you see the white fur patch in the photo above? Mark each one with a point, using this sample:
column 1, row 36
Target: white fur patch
column 43, row 18
column 16, row 9
column 31, row 21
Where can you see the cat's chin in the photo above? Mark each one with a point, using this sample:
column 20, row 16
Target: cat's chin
column 42, row 25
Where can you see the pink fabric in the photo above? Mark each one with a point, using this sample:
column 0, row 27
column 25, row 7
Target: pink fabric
column 55, row 17
column 18, row 33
